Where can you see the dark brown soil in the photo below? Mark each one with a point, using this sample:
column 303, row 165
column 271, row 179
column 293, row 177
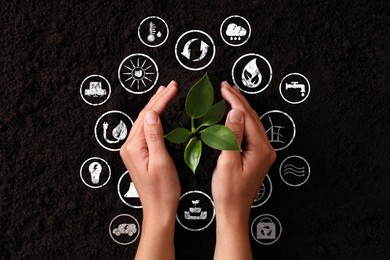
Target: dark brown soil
column 46, row 129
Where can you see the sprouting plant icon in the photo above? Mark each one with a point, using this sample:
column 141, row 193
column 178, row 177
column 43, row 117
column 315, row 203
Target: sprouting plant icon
column 195, row 202
column 199, row 106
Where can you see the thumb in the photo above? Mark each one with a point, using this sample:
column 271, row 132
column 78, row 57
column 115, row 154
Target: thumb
column 235, row 121
column 154, row 133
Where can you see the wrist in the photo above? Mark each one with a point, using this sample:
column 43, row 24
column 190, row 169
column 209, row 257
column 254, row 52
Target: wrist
column 161, row 219
column 232, row 223
column 232, row 238
column 237, row 216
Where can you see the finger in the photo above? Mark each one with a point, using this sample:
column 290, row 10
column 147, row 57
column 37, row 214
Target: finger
column 251, row 128
column 160, row 89
column 235, row 121
column 159, row 103
column 163, row 93
column 162, row 97
column 234, row 90
column 139, row 119
column 163, row 100
column 256, row 141
column 154, row 135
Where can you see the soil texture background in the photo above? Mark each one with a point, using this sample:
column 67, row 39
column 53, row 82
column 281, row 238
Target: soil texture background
column 46, row 129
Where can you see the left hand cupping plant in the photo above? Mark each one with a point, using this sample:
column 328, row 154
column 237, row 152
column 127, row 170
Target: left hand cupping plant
column 199, row 106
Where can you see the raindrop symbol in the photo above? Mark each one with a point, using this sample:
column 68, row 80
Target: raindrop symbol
column 251, row 76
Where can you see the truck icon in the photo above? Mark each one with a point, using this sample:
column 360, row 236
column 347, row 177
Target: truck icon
column 129, row 229
column 294, row 85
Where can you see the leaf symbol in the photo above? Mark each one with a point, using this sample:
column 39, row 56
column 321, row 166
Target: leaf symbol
column 247, row 75
column 255, row 79
column 120, row 131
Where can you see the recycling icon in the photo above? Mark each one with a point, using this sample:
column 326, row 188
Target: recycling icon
column 187, row 51
column 195, row 50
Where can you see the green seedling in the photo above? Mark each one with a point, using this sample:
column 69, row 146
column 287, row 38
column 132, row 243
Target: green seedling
column 199, row 106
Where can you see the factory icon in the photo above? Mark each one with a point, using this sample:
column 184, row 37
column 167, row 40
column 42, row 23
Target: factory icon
column 95, row 90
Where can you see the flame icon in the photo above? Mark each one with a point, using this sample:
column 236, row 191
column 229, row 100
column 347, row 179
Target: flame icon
column 251, row 76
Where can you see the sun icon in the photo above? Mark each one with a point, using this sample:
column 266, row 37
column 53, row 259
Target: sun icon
column 138, row 73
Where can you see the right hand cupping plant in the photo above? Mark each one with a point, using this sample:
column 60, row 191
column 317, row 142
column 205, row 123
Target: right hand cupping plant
column 199, row 106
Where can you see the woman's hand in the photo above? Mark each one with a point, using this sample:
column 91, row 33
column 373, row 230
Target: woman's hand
column 238, row 177
column 154, row 176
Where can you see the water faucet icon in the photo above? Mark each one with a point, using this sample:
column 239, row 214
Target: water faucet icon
column 294, row 85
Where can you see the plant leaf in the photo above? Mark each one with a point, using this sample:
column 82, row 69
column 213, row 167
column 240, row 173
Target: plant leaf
column 220, row 137
column 178, row 135
column 192, row 153
column 200, row 98
column 215, row 114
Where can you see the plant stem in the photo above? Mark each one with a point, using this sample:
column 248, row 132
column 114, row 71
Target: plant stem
column 192, row 126
column 197, row 129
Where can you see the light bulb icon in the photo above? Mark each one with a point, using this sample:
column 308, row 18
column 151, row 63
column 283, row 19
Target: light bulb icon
column 95, row 170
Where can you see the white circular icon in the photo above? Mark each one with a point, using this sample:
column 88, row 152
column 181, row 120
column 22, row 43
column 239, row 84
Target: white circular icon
column 124, row 229
column 294, row 88
column 127, row 191
column 95, row 172
column 95, row 90
column 153, row 31
column 195, row 50
column 235, row 30
column 119, row 122
column 138, row 73
column 252, row 73
column 280, row 128
column 266, row 229
column 195, row 211
column 264, row 192
column 294, row 170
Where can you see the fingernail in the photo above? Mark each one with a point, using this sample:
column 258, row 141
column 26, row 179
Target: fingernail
column 171, row 83
column 151, row 118
column 235, row 116
column 159, row 89
column 225, row 84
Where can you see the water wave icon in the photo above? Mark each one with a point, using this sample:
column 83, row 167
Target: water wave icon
column 294, row 170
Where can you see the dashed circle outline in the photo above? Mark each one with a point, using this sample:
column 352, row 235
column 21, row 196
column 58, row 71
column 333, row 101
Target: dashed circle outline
column 308, row 167
column 197, row 31
column 97, row 122
column 269, row 195
column 269, row 66
column 235, row 16
column 212, row 203
column 276, row 239
column 138, row 229
column 81, row 172
column 280, row 88
column 293, row 123
column 139, row 34
column 119, row 73
column 119, row 193
column 109, row 90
